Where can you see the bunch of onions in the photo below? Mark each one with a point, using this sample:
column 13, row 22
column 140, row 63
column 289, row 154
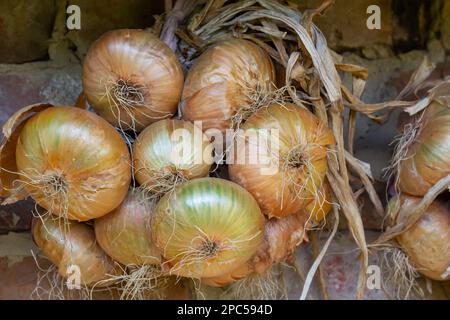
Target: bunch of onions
column 285, row 168
column 207, row 227
column 74, row 247
column 70, row 161
column 226, row 84
column 427, row 242
column 424, row 150
column 132, row 79
column 168, row 152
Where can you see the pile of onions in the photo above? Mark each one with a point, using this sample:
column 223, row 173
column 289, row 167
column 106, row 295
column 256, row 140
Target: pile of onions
column 291, row 165
column 132, row 79
column 168, row 152
column 424, row 156
column 427, row 242
column 70, row 161
column 207, row 227
column 226, row 84
column 73, row 246
column 125, row 234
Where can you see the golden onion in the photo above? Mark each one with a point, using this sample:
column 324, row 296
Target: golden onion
column 168, row 152
column 132, row 79
column 427, row 242
column 207, row 227
column 125, row 235
column 73, row 249
column 73, row 163
column 226, row 83
column 424, row 159
column 286, row 170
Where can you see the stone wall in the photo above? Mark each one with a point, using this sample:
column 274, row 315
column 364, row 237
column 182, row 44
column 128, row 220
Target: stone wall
column 35, row 30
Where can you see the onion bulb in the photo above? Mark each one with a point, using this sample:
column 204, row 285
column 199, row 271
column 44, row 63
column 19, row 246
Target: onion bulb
column 124, row 234
column 424, row 150
column 73, row 163
column 284, row 173
column 73, row 246
column 226, row 84
column 427, row 242
column 70, row 161
column 132, row 79
column 281, row 237
column 207, row 227
column 168, row 152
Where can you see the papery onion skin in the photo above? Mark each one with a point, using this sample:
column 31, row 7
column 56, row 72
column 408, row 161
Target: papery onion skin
column 207, row 227
column 159, row 149
column 141, row 60
column 218, row 82
column 428, row 158
column 83, row 152
column 281, row 237
column 427, row 242
column 125, row 235
column 73, row 244
column 286, row 189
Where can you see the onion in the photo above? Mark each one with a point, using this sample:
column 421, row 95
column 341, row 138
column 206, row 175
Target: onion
column 427, row 242
column 125, row 235
column 132, row 79
column 226, row 84
column 290, row 166
column 73, row 163
column 424, row 150
column 207, row 227
column 281, row 237
column 74, row 246
column 168, row 152
column 321, row 205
